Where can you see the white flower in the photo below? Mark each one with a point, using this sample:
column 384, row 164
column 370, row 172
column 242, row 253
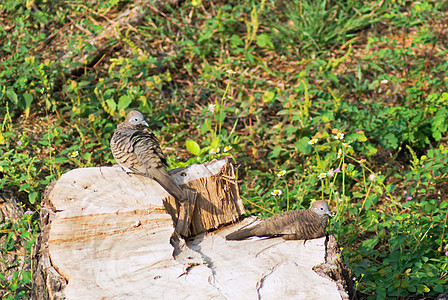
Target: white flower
column 211, row 108
column 330, row 173
column 384, row 81
column 373, row 177
column 276, row 193
column 322, row 175
column 281, row 173
column 227, row 148
column 339, row 136
column 74, row 154
column 339, row 153
column 214, row 151
column 346, row 145
column 313, row 141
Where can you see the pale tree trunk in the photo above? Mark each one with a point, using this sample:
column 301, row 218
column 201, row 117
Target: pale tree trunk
column 107, row 234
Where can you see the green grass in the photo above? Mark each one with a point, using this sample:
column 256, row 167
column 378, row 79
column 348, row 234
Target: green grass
column 264, row 78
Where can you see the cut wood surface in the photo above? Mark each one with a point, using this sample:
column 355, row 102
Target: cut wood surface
column 106, row 235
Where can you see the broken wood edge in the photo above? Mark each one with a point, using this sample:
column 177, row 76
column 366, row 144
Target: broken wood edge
column 186, row 216
column 47, row 283
column 335, row 269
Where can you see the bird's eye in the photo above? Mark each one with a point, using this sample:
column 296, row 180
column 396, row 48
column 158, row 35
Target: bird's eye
column 321, row 208
column 136, row 120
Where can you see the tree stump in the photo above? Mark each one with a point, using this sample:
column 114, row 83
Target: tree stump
column 107, row 234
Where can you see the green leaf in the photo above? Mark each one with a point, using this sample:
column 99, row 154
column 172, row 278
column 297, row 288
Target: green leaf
column 371, row 150
column 370, row 201
column 275, row 152
column 205, row 36
column 303, row 146
column 249, row 57
column 381, row 294
column 40, row 17
column 268, row 96
column 25, row 235
column 206, row 126
column 438, row 288
column 439, row 125
column 112, row 105
column 264, row 40
column 123, row 102
column 193, row 147
column 290, row 131
column 145, row 105
column 236, row 41
column 370, row 243
column 26, row 276
column 357, row 194
column 28, row 100
column 444, row 96
column 9, row 244
column 32, row 197
column 391, row 187
column 220, row 118
column 12, row 96
column 358, row 136
column 392, row 140
column 423, row 289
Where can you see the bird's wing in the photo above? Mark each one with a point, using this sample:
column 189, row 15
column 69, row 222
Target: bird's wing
column 305, row 224
column 122, row 148
column 151, row 158
column 146, row 146
column 283, row 223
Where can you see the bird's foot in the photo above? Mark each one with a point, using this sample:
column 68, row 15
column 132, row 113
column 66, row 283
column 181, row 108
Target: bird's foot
column 127, row 172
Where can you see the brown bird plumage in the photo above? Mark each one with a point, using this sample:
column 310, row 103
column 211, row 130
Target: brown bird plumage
column 301, row 224
column 137, row 150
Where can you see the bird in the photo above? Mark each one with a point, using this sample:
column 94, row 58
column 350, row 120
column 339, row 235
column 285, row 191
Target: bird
column 137, row 150
column 303, row 224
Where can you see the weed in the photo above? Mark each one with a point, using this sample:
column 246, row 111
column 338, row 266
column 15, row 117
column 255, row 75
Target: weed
column 344, row 101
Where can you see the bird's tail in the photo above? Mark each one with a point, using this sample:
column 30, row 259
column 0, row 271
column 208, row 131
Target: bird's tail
column 240, row 234
column 165, row 180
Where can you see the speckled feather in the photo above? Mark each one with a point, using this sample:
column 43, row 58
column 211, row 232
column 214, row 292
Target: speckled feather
column 137, row 150
column 301, row 224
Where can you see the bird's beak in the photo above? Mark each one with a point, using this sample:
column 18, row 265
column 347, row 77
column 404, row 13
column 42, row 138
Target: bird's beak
column 144, row 123
column 330, row 214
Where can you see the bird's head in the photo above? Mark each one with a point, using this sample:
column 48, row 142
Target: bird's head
column 134, row 117
column 320, row 207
